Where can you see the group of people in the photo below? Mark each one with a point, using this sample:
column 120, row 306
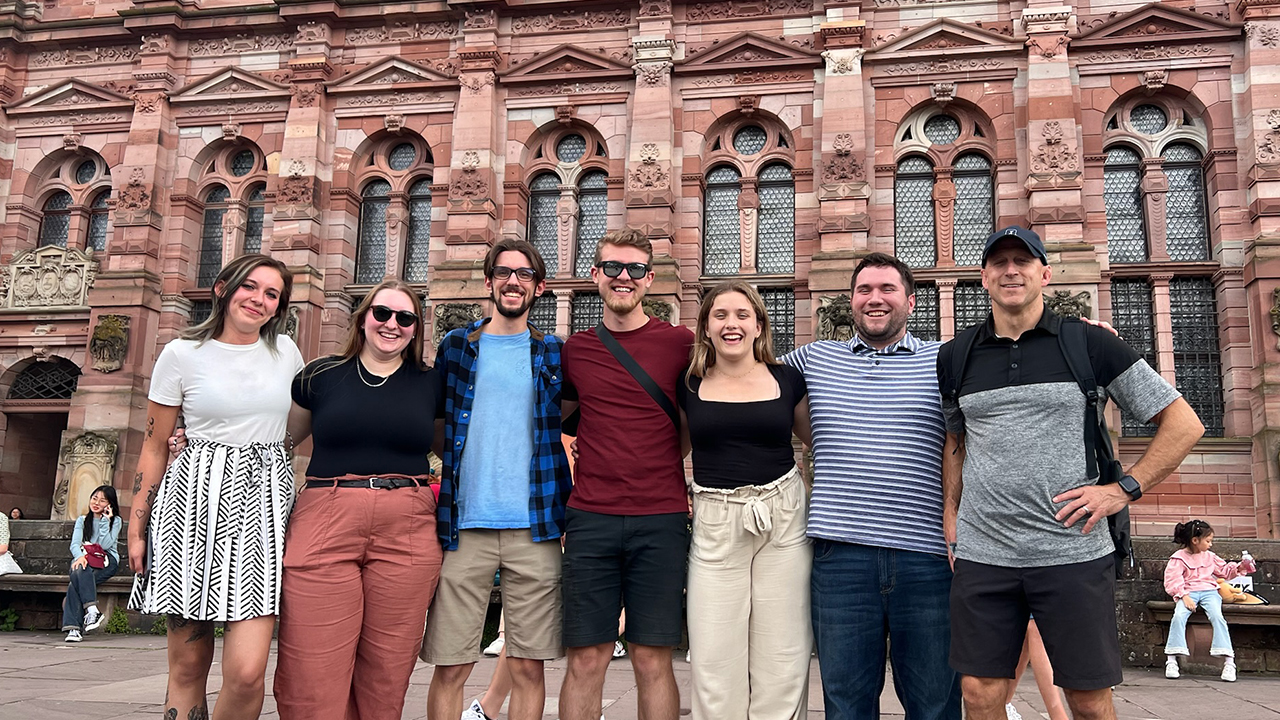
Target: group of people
column 990, row 480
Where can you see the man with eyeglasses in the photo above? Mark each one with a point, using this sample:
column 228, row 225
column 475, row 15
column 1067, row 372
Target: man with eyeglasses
column 502, row 491
column 626, row 530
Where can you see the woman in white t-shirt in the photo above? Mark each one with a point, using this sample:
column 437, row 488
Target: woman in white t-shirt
column 208, row 537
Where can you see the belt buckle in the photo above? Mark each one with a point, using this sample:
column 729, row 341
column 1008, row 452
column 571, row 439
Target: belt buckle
column 377, row 483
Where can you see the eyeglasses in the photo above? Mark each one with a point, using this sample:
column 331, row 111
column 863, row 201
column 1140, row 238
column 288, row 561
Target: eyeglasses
column 524, row 274
column 613, row 268
column 404, row 318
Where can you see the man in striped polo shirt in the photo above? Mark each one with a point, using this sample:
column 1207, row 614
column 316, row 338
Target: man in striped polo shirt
column 880, row 578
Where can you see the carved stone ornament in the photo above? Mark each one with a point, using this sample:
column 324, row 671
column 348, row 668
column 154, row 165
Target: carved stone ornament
column 835, row 318
column 1054, row 157
column 72, row 141
column 649, row 153
column 843, row 62
column 451, row 316
column 843, row 144
column 307, row 94
column 148, row 103
column 134, row 204
column 1275, row 314
column 480, row 19
column 291, row 323
column 943, row 92
column 154, row 44
column 231, row 131
column 564, row 114
column 48, row 277
column 1048, row 47
column 393, row 123
column 649, row 175
column 655, row 8
column 729, row 9
column 651, row 74
column 311, row 32
column 1266, row 34
column 475, row 83
column 1048, row 20
column 747, row 104
column 1154, row 80
column 88, row 460
column 1067, row 304
column 653, row 307
column 295, row 190
column 469, row 184
column 109, row 343
column 1269, row 149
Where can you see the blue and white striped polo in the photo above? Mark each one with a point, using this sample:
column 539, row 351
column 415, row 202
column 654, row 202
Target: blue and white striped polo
column 877, row 435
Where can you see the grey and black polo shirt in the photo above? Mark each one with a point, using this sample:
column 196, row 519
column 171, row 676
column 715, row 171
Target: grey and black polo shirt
column 1023, row 417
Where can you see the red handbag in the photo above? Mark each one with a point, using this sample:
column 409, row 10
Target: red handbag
column 95, row 555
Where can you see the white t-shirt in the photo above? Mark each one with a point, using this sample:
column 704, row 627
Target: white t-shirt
column 232, row 394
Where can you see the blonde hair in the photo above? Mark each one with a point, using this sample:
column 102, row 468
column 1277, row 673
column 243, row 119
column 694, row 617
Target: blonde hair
column 627, row 237
column 230, row 278
column 703, row 356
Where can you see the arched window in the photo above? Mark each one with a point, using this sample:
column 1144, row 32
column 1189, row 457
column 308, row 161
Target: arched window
column 99, row 222
column 1122, row 198
column 371, row 245
column 215, row 208
column 56, row 222
column 417, row 258
column 975, row 207
column 55, row 380
column 913, row 223
column 544, row 196
column 593, row 210
column 255, row 220
column 1186, row 223
column 722, row 232
column 776, row 241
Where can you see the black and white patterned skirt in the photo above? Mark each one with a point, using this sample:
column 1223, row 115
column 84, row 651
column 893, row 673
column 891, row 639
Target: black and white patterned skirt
column 216, row 538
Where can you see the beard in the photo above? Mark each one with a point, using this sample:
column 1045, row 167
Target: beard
column 508, row 312
column 623, row 304
column 893, row 325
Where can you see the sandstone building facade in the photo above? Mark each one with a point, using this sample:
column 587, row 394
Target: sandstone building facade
column 144, row 143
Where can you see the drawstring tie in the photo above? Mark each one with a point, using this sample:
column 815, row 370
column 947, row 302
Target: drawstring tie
column 757, row 519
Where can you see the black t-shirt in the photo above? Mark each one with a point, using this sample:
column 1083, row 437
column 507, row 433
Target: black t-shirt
column 743, row 443
column 362, row 430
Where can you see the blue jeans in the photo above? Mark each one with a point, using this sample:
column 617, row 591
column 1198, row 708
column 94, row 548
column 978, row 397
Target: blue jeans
column 1211, row 602
column 83, row 589
column 867, row 600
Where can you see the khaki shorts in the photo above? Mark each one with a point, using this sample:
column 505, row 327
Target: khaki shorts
column 530, row 597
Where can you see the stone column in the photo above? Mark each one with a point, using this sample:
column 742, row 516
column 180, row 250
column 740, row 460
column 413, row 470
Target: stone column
column 566, row 229
column 1160, row 309
column 946, row 308
column 1154, row 187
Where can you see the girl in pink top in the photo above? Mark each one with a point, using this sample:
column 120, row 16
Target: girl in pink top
column 1191, row 578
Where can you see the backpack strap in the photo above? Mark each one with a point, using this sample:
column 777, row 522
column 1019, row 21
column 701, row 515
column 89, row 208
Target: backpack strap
column 960, row 350
column 1073, row 343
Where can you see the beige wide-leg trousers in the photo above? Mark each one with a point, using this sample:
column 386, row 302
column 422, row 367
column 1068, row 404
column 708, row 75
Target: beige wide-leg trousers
column 749, row 628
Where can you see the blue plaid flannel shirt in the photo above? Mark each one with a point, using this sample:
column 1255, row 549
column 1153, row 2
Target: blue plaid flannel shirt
column 549, row 480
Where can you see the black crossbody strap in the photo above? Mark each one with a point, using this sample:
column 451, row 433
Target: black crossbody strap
column 638, row 373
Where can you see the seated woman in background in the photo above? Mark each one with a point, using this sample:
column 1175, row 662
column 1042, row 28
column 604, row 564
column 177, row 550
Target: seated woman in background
column 93, row 545
column 7, row 564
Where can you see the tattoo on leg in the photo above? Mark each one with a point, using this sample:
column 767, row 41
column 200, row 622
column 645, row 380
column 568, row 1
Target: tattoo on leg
column 200, row 712
column 176, row 622
column 171, row 713
column 201, row 630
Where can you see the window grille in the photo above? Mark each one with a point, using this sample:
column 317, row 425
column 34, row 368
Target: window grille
column 371, row 245
column 586, row 311
column 942, row 129
column 925, row 322
column 544, row 197
column 543, row 312
column 972, row 304
column 571, row 148
column 46, row 381
column 86, row 171
column 593, row 212
column 975, row 209
column 417, row 259
column 722, row 235
column 776, row 238
column 56, row 223
column 99, row 222
column 1186, row 223
column 780, row 303
column 750, row 140
column 914, row 240
column 215, row 209
column 1122, row 198
column 1196, row 357
column 242, row 164
column 255, row 220
column 1133, row 316
column 402, row 157
column 1148, row 119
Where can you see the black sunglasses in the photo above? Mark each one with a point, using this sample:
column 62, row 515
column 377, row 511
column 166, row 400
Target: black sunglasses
column 404, row 318
column 613, row 268
column 524, row 274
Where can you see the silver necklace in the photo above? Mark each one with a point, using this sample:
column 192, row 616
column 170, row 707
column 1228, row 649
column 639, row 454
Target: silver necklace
column 360, row 372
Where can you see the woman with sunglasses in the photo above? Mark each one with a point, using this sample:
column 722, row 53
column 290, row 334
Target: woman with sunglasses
column 361, row 558
column 749, row 631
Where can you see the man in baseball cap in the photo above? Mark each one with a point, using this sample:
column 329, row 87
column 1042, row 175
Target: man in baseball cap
column 1014, row 233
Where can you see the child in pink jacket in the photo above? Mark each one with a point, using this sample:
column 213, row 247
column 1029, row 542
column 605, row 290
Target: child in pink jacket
column 1191, row 578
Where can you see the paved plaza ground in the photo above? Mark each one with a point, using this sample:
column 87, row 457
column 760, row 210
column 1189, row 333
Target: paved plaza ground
column 123, row 677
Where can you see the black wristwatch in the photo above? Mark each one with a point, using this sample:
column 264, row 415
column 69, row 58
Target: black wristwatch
column 1131, row 487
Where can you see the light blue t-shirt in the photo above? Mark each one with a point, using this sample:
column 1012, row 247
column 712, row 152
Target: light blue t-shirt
column 493, row 481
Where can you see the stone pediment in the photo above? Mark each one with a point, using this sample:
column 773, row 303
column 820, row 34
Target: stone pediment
column 70, row 95
column 1156, row 22
column 47, row 277
column 945, row 35
column 391, row 71
column 566, row 62
column 745, row 51
column 230, row 83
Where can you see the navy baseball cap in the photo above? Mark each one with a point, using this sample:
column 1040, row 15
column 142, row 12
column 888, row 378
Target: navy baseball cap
column 1028, row 238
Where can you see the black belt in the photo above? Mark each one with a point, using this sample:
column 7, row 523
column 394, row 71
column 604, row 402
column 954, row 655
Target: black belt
column 379, row 483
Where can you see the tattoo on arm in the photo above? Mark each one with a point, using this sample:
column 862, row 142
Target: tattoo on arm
column 151, row 427
column 137, row 483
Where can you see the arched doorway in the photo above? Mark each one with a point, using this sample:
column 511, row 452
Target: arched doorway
column 35, row 411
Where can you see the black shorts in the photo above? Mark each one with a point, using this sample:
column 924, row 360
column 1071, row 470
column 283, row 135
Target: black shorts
column 1074, row 607
column 612, row 561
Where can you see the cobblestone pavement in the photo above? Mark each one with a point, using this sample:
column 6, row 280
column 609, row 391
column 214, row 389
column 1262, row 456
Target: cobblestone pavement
column 123, row 676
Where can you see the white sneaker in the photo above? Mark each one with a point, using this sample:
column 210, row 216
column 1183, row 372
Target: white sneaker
column 475, row 712
column 1011, row 713
column 92, row 619
column 688, row 656
column 495, row 647
column 619, row 650
column 1229, row 671
column 1171, row 668
column 73, row 635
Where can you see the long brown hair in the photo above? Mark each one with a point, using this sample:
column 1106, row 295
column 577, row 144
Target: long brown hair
column 703, row 356
column 412, row 352
column 230, row 278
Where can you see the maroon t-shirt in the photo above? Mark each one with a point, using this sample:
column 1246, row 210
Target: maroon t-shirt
column 629, row 460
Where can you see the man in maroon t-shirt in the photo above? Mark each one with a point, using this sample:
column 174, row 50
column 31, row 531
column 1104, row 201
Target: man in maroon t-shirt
column 626, row 531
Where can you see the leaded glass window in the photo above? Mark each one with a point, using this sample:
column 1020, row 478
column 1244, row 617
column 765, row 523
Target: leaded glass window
column 975, row 208
column 593, row 212
column 402, row 157
column 942, row 129
column 543, row 312
column 200, row 311
column 722, row 233
column 750, row 140
column 780, row 303
column 99, row 222
column 1186, row 223
column 417, row 257
column 571, row 148
column 256, row 219
column 1133, row 316
column 215, row 209
column 86, row 171
column 1196, row 358
column 971, row 304
column 1148, row 119
column 1122, row 197
column 914, row 240
column 776, row 238
column 46, row 381
column 587, row 311
column 371, row 245
column 925, row 322
column 242, row 163
column 544, row 197
column 56, row 223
